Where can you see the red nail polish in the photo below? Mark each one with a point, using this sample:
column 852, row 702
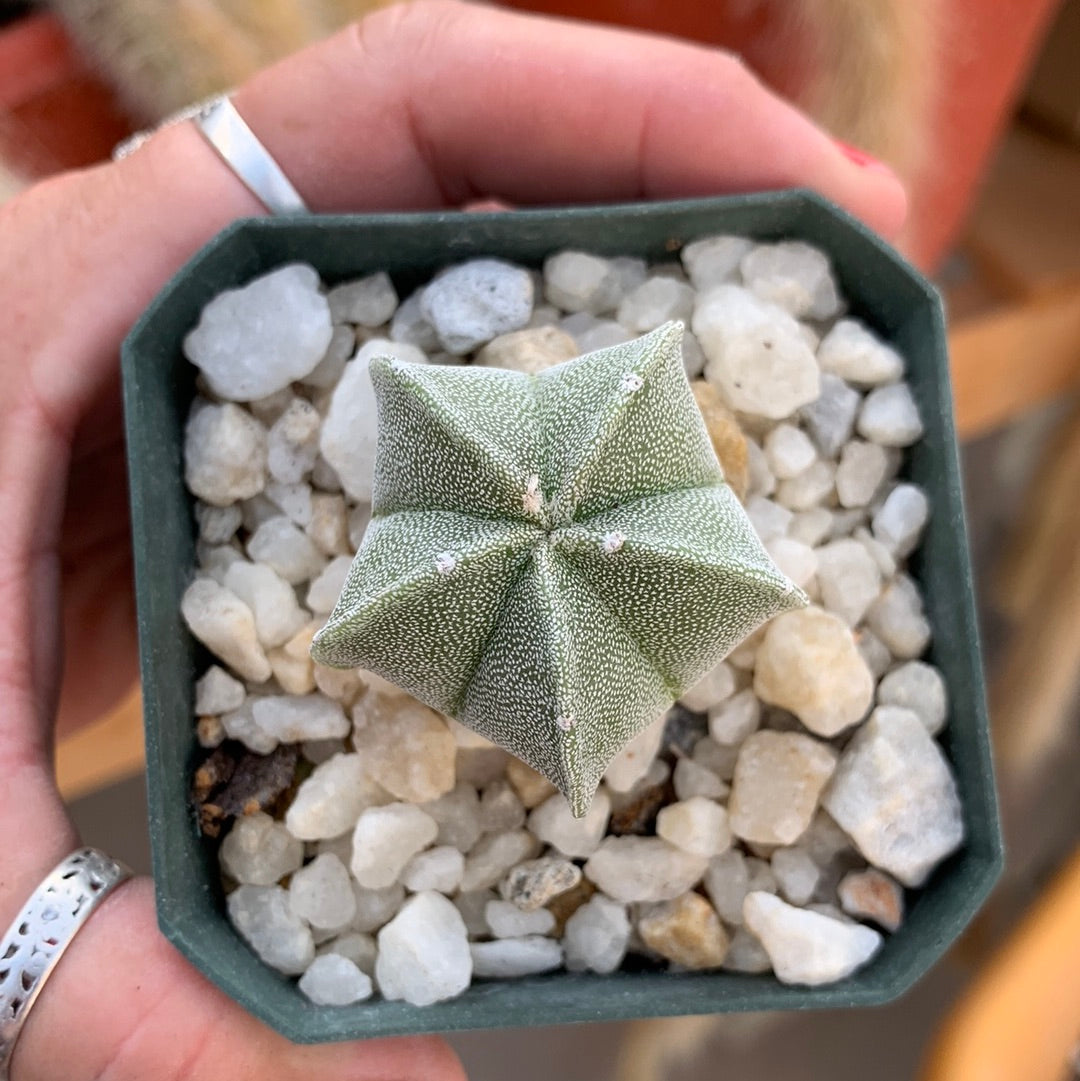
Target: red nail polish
column 861, row 158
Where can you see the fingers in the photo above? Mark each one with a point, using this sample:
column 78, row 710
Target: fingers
column 155, row 1017
column 438, row 102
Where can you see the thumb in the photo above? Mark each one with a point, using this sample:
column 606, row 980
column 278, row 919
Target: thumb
column 130, row 1008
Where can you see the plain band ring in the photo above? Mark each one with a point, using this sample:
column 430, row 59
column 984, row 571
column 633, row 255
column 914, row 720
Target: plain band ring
column 227, row 132
column 43, row 930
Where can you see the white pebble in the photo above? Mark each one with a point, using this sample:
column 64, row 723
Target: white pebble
column 805, row 947
column 224, row 454
column 321, row 894
column 691, row 779
column 226, row 626
column 852, row 352
column 506, row 920
column 217, row 525
column 920, row 688
column 634, row 760
column 734, row 720
column 714, row 259
column 633, row 869
column 293, row 442
column 358, row 948
column 287, row 549
column 330, row 800
column 217, row 692
column 768, row 518
column 510, row 958
column 808, row 663
column 900, row 521
column 760, row 479
column 788, row 451
column 793, row 275
column 714, row 687
column 830, row 418
column 894, row 794
column 890, row 417
column 326, row 587
column 493, row 855
column 290, row 718
column 293, row 500
column 384, row 841
column 757, row 358
column 500, row 808
column 262, row 916
column 810, row 488
column 727, row 882
column 576, row 838
column 271, row 599
column 596, row 936
column 424, row 952
column 476, row 301
column 239, row 724
column 258, row 851
column 438, row 869
column 374, row 907
column 811, row 527
column 406, row 747
column 796, row 559
column 333, row 980
column 897, row 618
column 369, row 301
column 778, row 780
column 874, row 651
column 697, row 826
column 409, row 327
column 860, row 472
column 578, row 282
column 457, row 814
column 848, row 578
column 655, row 302
column 796, row 873
column 328, row 371
column 256, row 340
column 350, row 431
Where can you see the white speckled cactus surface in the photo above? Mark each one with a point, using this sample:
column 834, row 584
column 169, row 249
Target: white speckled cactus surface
column 552, row 558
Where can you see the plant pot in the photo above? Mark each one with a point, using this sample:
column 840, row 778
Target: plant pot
column 158, row 386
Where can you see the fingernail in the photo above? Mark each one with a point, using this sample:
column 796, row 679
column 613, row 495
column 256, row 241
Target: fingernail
column 862, row 159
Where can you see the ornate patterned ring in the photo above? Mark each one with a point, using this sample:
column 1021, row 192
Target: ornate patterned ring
column 43, row 930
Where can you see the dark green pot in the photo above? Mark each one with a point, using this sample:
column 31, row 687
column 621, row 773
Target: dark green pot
column 158, row 385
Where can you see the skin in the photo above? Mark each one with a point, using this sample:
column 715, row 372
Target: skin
column 381, row 117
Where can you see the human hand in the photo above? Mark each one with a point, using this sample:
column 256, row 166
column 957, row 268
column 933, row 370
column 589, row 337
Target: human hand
column 424, row 105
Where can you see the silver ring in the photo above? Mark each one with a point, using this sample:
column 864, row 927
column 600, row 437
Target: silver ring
column 43, row 930
column 225, row 130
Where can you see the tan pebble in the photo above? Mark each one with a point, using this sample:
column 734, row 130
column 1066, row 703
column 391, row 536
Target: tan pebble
column 407, row 747
column 727, row 437
column 532, row 788
column 809, row 663
column 530, row 350
column 872, row 895
column 686, row 931
column 210, row 731
column 779, row 777
column 341, row 684
column 566, row 904
column 292, row 664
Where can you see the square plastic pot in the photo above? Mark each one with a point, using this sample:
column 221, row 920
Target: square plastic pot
column 158, row 387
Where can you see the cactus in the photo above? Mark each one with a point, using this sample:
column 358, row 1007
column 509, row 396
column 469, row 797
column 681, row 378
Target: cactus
column 553, row 558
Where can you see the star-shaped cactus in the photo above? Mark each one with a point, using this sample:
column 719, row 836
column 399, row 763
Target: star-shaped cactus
column 552, row 559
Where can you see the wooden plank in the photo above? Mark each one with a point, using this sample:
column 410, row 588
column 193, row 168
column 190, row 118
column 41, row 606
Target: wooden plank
column 1018, row 356
column 103, row 753
column 1025, row 224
